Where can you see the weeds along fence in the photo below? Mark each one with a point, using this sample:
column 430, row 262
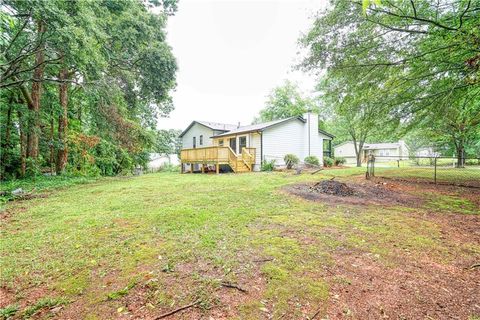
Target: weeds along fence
column 438, row 170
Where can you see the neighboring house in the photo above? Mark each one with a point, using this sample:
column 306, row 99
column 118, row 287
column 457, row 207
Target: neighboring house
column 242, row 148
column 383, row 151
column 427, row 152
column 158, row 160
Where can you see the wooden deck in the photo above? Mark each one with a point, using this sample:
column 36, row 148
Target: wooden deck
column 217, row 156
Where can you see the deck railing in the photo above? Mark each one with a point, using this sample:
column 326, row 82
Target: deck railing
column 206, row 154
column 218, row 155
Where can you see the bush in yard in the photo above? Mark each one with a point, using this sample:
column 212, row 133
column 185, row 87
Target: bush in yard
column 327, row 162
column 340, row 161
column 312, row 160
column 290, row 160
column 268, row 165
column 472, row 162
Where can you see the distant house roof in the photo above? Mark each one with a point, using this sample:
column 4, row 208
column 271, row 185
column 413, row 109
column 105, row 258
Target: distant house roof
column 211, row 125
column 371, row 146
column 374, row 146
column 257, row 127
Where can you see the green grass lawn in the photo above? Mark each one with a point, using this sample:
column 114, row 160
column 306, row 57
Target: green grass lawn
column 467, row 176
column 94, row 249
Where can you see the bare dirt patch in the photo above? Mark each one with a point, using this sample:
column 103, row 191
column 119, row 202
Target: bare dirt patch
column 364, row 288
column 7, row 297
column 157, row 292
column 356, row 193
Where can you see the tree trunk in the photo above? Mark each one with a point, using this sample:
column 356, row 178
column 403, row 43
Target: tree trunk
column 5, row 143
column 359, row 158
column 358, row 152
column 62, row 155
column 34, row 119
column 460, row 155
column 23, row 145
column 51, row 144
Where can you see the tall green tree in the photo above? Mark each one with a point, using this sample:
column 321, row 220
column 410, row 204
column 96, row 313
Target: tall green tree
column 421, row 53
column 168, row 142
column 89, row 73
column 286, row 101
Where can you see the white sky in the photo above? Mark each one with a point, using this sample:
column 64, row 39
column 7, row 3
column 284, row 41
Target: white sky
column 231, row 54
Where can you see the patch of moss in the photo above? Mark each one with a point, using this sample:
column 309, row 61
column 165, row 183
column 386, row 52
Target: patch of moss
column 452, row 204
column 43, row 303
column 74, row 285
column 9, row 311
column 120, row 293
column 252, row 310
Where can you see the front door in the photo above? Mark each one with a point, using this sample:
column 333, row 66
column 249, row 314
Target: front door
column 233, row 144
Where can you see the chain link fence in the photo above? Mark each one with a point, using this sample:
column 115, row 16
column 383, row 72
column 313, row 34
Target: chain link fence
column 438, row 170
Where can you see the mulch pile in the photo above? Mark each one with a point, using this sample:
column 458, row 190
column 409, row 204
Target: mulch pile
column 358, row 193
column 332, row 187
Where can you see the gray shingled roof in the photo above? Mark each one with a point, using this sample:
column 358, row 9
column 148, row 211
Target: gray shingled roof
column 218, row 126
column 257, row 127
column 370, row 146
column 211, row 125
column 234, row 129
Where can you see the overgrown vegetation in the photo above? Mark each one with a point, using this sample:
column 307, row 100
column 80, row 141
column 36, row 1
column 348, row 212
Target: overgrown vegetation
column 38, row 185
column 82, row 85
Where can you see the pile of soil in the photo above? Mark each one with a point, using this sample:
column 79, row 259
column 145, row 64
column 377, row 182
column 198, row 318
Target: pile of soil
column 359, row 193
column 332, row 187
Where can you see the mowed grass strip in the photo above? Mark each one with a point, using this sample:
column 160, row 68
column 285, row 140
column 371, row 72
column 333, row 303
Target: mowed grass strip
column 96, row 243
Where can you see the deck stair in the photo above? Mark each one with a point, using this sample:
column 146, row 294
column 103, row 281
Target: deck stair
column 240, row 166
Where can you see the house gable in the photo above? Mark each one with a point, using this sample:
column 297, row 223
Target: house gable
column 197, row 130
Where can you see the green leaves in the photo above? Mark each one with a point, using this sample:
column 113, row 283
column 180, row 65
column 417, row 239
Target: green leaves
column 286, row 101
column 405, row 63
column 119, row 73
column 367, row 3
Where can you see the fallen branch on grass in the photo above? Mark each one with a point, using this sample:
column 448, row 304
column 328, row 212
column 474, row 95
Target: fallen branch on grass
column 264, row 260
column 315, row 314
column 473, row 266
column 317, row 170
column 177, row 310
column 234, row 286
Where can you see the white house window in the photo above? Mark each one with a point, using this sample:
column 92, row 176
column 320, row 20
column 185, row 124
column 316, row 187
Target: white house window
column 201, row 140
column 220, row 143
column 194, row 142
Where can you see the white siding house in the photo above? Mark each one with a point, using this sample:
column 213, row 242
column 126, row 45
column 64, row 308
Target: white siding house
column 200, row 133
column 271, row 140
column 383, row 151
